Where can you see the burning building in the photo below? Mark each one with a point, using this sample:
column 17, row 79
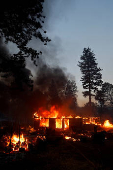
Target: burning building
column 55, row 120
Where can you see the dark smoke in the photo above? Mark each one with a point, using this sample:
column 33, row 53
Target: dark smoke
column 46, row 74
column 49, row 79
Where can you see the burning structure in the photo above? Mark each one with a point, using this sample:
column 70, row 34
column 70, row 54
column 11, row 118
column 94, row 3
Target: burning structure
column 54, row 120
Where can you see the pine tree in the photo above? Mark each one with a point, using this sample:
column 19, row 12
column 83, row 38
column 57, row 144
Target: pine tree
column 91, row 76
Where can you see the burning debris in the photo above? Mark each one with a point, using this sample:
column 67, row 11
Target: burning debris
column 15, row 143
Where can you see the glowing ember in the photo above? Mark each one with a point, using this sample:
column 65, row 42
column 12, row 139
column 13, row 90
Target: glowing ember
column 107, row 124
column 72, row 139
column 91, row 120
column 67, row 137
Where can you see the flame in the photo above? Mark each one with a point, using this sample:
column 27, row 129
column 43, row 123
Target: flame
column 36, row 116
column 44, row 122
column 43, row 115
column 66, row 123
column 53, row 113
column 16, row 143
column 67, row 137
column 77, row 117
column 59, row 123
column 72, row 139
column 107, row 124
column 15, row 139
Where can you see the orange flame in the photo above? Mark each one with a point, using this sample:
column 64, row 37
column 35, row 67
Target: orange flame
column 15, row 142
column 53, row 113
column 66, row 123
column 107, row 124
column 44, row 122
column 59, row 123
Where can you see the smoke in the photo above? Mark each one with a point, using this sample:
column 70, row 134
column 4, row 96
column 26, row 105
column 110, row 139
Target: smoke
column 46, row 74
column 22, row 105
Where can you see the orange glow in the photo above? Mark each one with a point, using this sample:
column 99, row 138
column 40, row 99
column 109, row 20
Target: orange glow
column 77, row 117
column 15, row 142
column 15, row 139
column 66, row 123
column 53, row 113
column 67, row 137
column 59, row 123
column 69, row 116
column 36, row 116
column 44, row 122
column 107, row 124
column 91, row 120
column 72, row 139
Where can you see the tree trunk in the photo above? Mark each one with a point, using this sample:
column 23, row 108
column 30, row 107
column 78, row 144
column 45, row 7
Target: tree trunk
column 90, row 99
column 89, row 94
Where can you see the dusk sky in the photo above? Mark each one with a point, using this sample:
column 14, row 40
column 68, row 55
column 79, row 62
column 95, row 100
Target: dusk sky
column 73, row 25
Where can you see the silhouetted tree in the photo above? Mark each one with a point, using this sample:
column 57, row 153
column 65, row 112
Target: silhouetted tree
column 87, row 111
column 4, row 97
column 100, row 97
column 70, row 93
column 53, row 94
column 71, row 89
column 107, row 89
column 19, row 22
column 91, row 76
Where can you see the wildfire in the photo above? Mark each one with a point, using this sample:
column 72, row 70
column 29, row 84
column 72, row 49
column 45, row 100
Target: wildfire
column 107, row 124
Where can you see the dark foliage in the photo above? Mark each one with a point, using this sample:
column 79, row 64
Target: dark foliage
column 105, row 95
column 19, row 22
column 13, row 71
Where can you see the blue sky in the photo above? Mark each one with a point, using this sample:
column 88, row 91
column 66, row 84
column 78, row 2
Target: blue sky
column 78, row 24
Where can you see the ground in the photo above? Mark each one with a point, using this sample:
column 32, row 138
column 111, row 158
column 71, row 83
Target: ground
column 66, row 155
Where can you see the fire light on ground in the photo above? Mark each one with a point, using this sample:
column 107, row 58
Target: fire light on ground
column 72, row 139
